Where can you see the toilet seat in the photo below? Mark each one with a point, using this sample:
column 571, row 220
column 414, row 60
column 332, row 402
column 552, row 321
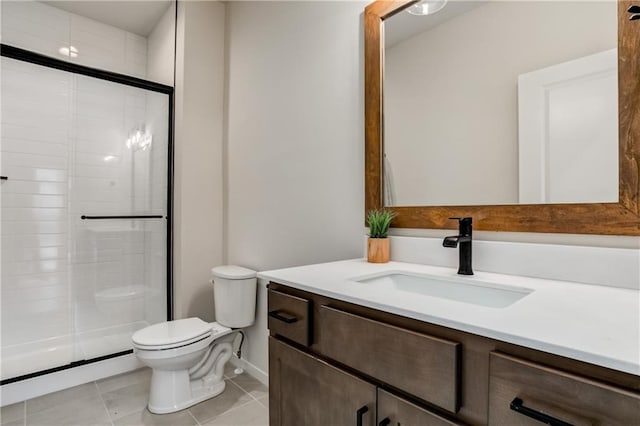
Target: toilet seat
column 171, row 334
column 177, row 333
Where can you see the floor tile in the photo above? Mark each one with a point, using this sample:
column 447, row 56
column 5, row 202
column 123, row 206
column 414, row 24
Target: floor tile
column 251, row 414
column 127, row 400
column 80, row 412
column 251, row 385
column 232, row 397
column 145, row 418
column 229, row 370
column 122, row 380
column 12, row 413
column 57, row 399
column 264, row 401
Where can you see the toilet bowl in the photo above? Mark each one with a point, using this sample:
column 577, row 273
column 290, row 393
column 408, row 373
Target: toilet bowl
column 188, row 356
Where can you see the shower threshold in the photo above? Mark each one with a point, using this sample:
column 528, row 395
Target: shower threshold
column 27, row 358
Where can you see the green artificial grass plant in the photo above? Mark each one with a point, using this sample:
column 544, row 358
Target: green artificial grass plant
column 379, row 221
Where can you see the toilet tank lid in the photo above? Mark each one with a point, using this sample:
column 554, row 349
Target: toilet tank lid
column 233, row 272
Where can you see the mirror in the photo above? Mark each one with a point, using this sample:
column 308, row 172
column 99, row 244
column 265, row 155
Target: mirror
column 507, row 111
column 501, row 102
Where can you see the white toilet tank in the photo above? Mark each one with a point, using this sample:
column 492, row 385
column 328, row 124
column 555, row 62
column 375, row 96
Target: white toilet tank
column 234, row 295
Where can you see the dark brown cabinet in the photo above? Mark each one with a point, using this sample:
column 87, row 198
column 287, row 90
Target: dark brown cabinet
column 394, row 410
column 304, row 390
column 522, row 393
column 389, row 353
column 342, row 359
column 289, row 317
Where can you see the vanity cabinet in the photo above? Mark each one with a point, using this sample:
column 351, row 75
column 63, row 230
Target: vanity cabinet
column 290, row 317
column 525, row 393
column 419, row 364
column 413, row 373
column 394, row 410
column 308, row 391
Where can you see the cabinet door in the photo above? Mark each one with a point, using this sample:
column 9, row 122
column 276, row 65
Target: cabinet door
column 395, row 411
column 304, row 390
column 523, row 393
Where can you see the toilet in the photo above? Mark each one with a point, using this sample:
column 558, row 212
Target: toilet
column 188, row 355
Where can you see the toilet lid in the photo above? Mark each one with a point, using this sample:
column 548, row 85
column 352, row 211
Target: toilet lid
column 172, row 332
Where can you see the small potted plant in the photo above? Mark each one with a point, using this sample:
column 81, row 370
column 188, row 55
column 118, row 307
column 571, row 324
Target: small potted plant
column 379, row 221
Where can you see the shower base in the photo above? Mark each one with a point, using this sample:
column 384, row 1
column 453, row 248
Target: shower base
column 22, row 359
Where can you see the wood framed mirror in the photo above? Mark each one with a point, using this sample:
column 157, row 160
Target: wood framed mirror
column 606, row 218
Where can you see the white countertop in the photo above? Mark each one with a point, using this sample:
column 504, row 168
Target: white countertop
column 596, row 324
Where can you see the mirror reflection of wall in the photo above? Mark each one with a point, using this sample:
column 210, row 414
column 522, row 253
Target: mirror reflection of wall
column 501, row 102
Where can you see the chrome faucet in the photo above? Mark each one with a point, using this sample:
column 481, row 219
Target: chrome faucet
column 464, row 240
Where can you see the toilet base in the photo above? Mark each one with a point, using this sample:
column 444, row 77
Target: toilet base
column 175, row 392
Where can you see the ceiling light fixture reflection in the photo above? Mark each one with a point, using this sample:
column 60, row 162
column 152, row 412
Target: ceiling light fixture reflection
column 70, row 52
column 139, row 140
column 109, row 158
column 426, row 7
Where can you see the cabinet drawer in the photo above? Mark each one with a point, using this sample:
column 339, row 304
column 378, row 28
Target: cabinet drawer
column 421, row 365
column 520, row 390
column 290, row 317
column 393, row 411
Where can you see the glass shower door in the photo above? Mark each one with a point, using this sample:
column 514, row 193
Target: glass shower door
column 117, row 224
column 84, row 216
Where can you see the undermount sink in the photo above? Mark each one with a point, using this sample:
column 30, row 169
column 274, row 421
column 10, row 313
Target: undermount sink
column 453, row 288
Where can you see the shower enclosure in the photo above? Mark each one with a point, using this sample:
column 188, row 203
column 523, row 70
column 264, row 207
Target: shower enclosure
column 85, row 159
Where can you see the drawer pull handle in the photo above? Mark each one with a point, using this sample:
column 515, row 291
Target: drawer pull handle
column 280, row 316
column 518, row 405
column 385, row 422
column 361, row 411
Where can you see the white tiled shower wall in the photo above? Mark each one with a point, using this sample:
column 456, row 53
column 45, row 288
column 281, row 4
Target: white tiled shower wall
column 77, row 287
column 45, row 29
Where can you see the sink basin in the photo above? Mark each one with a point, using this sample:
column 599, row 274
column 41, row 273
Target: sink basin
column 474, row 292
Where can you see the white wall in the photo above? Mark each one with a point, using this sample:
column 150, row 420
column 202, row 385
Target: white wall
column 198, row 155
column 295, row 150
column 451, row 119
column 161, row 44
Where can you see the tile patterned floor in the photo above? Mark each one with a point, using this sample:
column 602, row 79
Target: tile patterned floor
column 122, row 400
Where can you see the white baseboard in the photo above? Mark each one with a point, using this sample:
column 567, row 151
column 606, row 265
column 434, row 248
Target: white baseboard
column 64, row 379
column 251, row 369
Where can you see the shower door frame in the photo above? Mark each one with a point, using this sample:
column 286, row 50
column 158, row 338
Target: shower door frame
column 12, row 52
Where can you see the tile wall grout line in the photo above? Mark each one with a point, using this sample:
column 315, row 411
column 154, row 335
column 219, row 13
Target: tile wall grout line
column 104, row 404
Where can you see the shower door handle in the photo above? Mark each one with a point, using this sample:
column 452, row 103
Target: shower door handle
column 85, row 217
